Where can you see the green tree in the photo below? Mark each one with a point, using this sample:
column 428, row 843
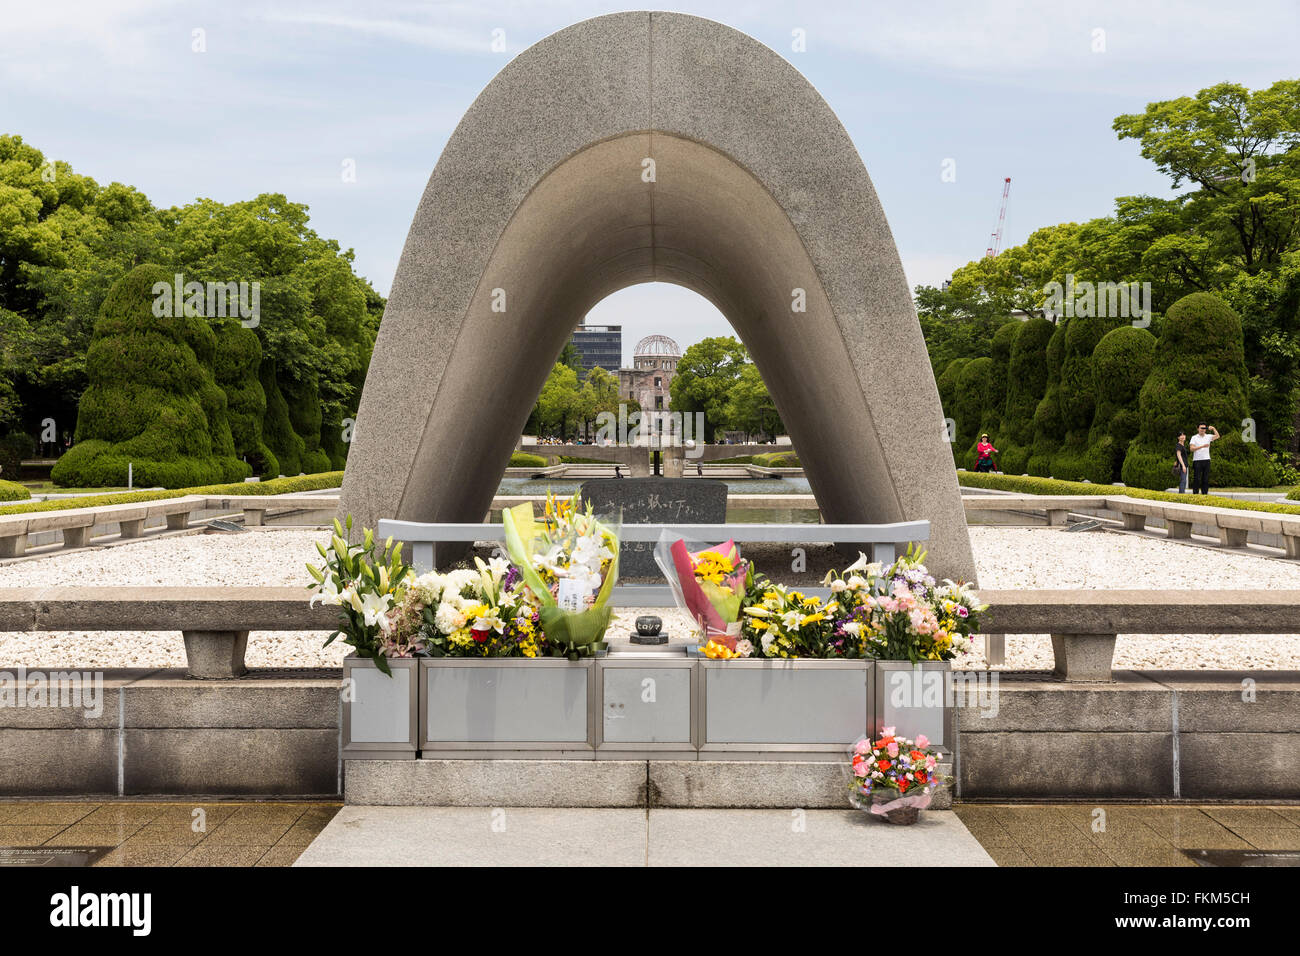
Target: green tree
column 1049, row 426
column 570, row 356
column 1026, row 385
column 1121, row 363
column 1240, row 149
column 957, row 326
column 560, row 401
column 706, row 374
column 750, row 407
column 236, row 361
column 1198, row 375
column 598, row 394
column 152, row 401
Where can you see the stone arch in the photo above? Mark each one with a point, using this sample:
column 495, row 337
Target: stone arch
column 541, row 194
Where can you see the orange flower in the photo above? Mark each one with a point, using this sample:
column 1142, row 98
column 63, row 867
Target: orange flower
column 903, row 784
column 883, row 764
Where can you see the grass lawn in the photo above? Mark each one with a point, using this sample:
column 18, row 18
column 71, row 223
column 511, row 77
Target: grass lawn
column 1276, row 489
column 50, row 488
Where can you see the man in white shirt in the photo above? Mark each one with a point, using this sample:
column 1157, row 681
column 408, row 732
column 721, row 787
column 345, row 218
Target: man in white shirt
column 1200, row 445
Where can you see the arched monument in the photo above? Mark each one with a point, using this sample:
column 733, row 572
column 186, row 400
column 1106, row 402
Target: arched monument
column 641, row 147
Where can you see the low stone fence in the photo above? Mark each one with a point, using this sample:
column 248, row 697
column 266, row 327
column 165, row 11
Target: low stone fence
column 213, row 621
column 1234, row 527
column 1195, row 736
column 1083, row 732
column 77, row 526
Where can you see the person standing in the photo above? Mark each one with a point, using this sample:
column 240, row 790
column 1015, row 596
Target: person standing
column 1200, row 445
column 984, row 452
column 1180, row 461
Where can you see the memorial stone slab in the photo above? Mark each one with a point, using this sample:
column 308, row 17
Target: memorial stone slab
column 655, row 501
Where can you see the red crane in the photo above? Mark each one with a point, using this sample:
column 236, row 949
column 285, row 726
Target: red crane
column 995, row 241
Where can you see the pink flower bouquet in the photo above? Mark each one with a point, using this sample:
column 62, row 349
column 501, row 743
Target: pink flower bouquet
column 708, row 584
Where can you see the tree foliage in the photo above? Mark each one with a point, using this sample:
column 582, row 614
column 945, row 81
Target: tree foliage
column 65, row 240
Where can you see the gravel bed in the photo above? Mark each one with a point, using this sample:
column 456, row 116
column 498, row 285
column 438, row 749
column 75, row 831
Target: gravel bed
column 1008, row 557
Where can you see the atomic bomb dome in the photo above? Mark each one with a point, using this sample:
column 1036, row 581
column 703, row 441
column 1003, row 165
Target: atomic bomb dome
column 655, row 347
column 654, row 363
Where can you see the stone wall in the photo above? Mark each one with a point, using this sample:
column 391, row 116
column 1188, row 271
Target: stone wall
column 1194, row 736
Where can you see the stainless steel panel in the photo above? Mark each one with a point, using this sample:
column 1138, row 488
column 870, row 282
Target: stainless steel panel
column 646, row 704
column 496, row 702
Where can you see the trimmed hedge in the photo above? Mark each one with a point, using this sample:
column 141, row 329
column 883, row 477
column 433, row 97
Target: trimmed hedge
column 973, row 400
column 11, row 491
column 777, row 459
column 1049, row 427
column 1026, row 380
column 305, row 419
column 235, row 366
column 1051, row 486
column 14, row 447
column 276, row 486
column 152, row 402
column 947, row 386
column 277, row 430
column 1198, row 375
column 1121, row 363
column 522, row 459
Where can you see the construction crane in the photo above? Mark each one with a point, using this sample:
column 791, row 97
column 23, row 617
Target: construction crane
column 995, row 241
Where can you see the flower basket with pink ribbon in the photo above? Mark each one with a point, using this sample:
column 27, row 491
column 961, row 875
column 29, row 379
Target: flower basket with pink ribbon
column 893, row 778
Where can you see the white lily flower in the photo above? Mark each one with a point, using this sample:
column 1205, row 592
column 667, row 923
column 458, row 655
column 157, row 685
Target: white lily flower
column 372, row 608
column 858, row 565
column 327, row 593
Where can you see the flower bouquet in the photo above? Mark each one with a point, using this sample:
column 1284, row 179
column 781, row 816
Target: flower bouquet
column 893, row 777
column 710, row 585
column 568, row 561
column 480, row 612
column 901, row 612
column 366, row 583
column 780, row 622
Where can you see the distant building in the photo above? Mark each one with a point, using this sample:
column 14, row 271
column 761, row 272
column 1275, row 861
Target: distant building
column 654, row 363
column 599, row 345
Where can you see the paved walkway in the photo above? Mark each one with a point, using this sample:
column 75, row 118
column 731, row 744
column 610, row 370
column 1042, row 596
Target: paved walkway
column 1084, row 834
column 249, row 833
column 460, row 836
column 180, row 833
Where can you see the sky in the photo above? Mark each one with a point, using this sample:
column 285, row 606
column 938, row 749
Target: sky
column 227, row 100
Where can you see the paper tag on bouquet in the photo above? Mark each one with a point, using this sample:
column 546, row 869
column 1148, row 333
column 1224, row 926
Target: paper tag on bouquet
column 572, row 595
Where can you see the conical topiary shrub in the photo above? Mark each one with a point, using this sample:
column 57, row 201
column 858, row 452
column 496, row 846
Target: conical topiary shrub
column 235, row 365
column 1077, row 396
column 1198, row 375
column 1026, row 383
column 1121, row 363
column 152, row 402
column 1049, row 428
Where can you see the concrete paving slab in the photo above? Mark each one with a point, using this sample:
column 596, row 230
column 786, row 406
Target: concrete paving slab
column 480, row 836
column 808, row 838
column 465, row 836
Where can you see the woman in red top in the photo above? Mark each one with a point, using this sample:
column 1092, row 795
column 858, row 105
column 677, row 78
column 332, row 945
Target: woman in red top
column 984, row 452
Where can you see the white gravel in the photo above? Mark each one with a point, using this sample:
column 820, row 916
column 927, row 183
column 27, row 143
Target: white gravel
column 1007, row 558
